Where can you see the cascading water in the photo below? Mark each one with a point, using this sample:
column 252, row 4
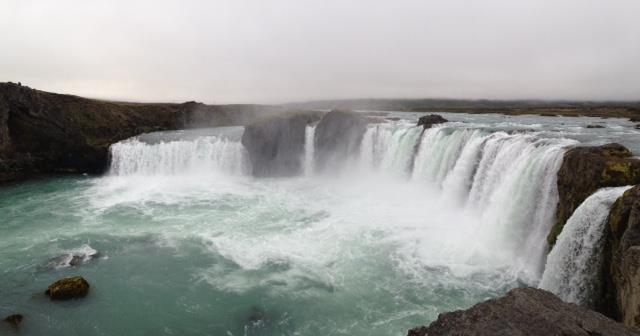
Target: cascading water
column 509, row 180
column 203, row 155
column 574, row 264
column 431, row 220
column 309, row 149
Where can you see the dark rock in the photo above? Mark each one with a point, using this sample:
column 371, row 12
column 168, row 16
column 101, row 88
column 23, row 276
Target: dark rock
column 622, row 259
column 587, row 169
column 14, row 320
column 524, row 312
column 338, row 136
column 276, row 144
column 595, row 126
column 635, row 119
column 68, row 288
column 638, row 126
column 44, row 133
column 430, row 120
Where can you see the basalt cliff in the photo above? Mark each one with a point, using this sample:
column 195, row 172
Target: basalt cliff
column 48, row 133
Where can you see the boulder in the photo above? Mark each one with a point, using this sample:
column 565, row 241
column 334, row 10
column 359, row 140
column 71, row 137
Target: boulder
column 622, row 259
column 14, row 320
column 595, row 126
column 275, row 144
column 430, row 120
column 68, row 288
column 337, row 137
column 587, row 169
column 524, row 312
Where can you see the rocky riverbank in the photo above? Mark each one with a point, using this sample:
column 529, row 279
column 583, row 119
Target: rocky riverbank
column 524, row 312
column 45, row 133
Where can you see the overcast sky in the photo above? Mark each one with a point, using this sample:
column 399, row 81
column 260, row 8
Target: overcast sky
column 274, row 51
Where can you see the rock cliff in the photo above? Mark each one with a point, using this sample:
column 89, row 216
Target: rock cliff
column 587, row 169
column 524, row 312
column 622, row 259
column 275, row 144
column 42, row 132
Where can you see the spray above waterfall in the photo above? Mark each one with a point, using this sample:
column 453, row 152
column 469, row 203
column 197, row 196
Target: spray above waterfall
column 506, row 182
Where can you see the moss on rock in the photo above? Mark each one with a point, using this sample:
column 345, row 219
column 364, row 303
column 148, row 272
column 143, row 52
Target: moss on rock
column 587, row 169
column 68, row 288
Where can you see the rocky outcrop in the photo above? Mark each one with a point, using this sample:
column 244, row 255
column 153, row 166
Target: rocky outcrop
column 622, row 259
column 275, row 144
column 524, row 312
column 587, row 169
column 429, row 120
column 68, row 288
column 337, row 136
column 42, row 132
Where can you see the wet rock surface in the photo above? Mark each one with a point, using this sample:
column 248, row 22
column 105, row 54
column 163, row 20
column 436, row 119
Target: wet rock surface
column 68, row 288
column 622, row 259
column 275, row 145
column 524, row 312
column 429, row 120
column 337, row 136
column 587, row 169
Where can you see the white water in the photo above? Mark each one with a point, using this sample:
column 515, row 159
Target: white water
column 574, row 264
column 201, row 156
column 309, row 150
column 503, row 184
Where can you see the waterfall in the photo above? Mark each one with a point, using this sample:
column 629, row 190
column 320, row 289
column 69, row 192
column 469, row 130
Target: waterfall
column 309, row 149
column 202, row 155
column 505, row 182
column 574, row 264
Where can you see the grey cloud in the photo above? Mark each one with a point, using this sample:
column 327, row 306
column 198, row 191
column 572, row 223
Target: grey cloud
column 286, row 50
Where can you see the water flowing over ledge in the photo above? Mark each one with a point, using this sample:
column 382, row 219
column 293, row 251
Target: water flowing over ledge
column 505, row 181
column 575, row 263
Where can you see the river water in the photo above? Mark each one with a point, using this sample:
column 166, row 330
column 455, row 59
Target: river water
column 179, row 239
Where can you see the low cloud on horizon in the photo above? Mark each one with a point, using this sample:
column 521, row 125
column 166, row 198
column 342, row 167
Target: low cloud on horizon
column 233, row 51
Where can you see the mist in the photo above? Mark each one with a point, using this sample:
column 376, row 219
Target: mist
column 286, row 50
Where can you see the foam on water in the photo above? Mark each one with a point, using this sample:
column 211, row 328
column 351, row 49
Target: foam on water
column 417, row 223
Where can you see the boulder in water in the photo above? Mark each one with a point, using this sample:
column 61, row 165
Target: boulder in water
column 14, row 320
column 595, row 126
column 68, row 288
column 587, row 169
column 275, row 145
column 74, row 257
column 430, row 120
column 524, row 312
column 338, row 136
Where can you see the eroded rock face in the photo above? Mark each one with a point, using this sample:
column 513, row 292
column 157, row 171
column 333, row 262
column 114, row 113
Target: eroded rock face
column 68, row 288
column 622, row 259
column 587, row 169
column 430, row 120
column 276, row 144
column 338, row 136
column 524, row 312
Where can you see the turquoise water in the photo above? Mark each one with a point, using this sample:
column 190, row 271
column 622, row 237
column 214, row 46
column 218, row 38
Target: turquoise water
column 173, row 248
column 195, row 257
